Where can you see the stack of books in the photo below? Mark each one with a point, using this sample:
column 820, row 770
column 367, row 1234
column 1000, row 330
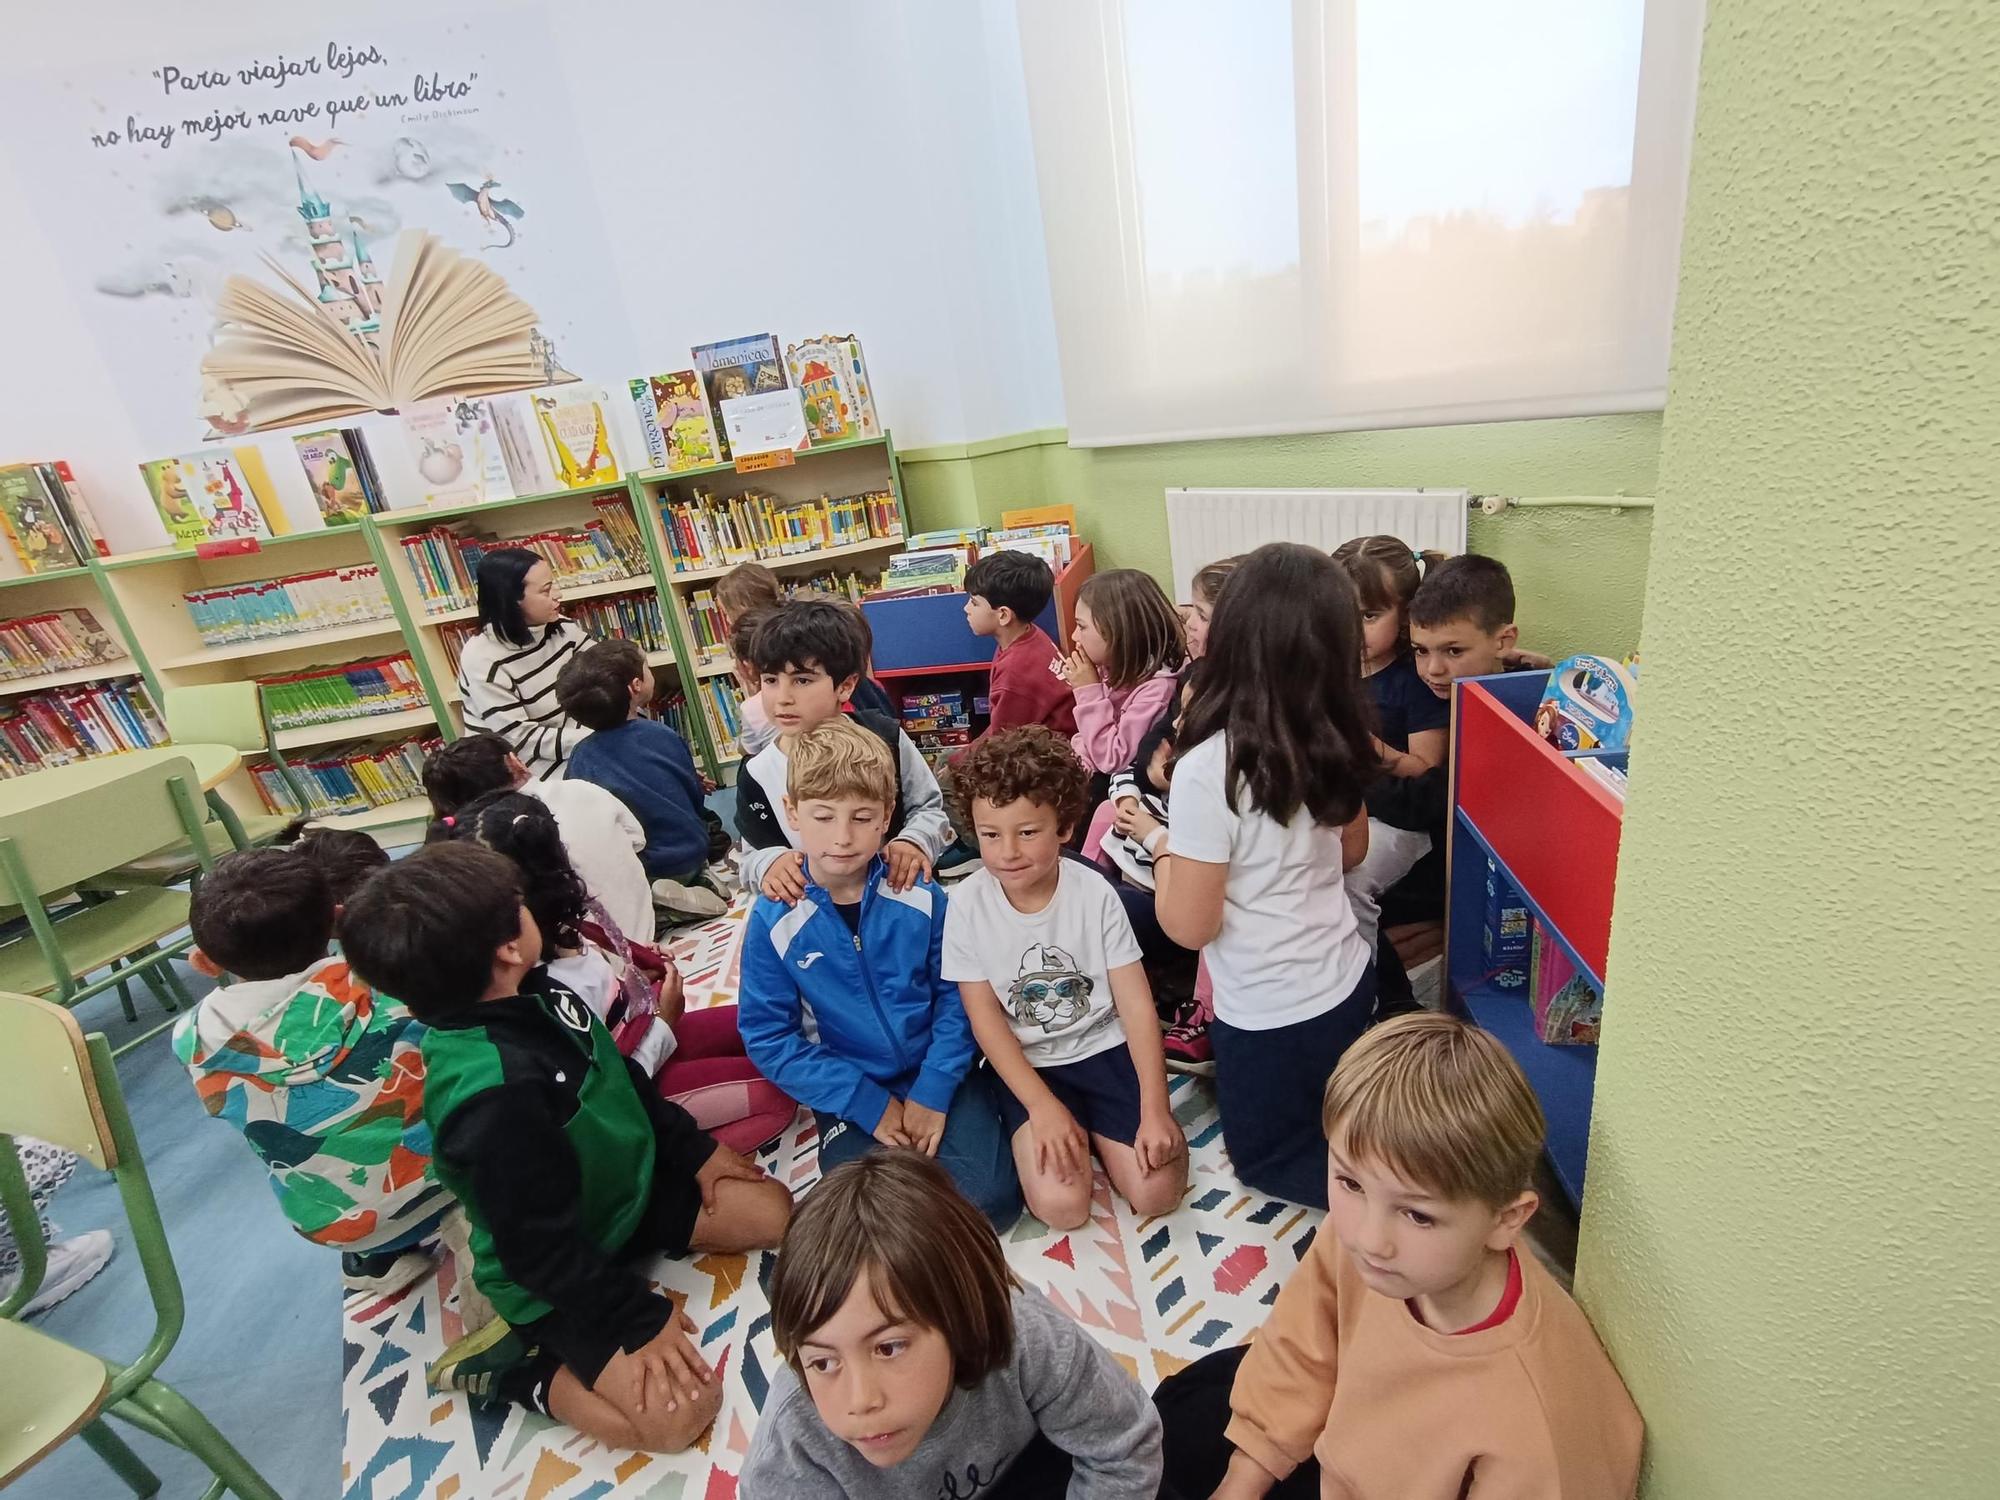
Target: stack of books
column 933, row 570
column 445, row 564
column 347, row 783
column 712, row 532
column 303, row 602
column 357, row 690
column 64, row 640
column 72, row 724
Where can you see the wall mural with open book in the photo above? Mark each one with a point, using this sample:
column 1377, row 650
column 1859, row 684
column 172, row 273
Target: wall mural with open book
column 303, row 231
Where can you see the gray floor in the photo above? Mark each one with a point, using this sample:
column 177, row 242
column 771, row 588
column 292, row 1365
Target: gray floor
column 260, row 1353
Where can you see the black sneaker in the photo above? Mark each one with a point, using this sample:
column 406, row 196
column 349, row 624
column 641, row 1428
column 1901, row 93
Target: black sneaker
column 385, row 1274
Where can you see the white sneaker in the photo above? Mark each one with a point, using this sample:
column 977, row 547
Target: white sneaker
column 71, row 1263
column 475, row 1311
column 688, row 900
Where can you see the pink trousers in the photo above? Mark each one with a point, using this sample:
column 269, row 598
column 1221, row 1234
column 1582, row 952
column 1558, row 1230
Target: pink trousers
column 711, row 1078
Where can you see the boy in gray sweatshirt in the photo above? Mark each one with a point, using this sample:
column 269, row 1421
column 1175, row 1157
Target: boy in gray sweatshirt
column 918, row 1367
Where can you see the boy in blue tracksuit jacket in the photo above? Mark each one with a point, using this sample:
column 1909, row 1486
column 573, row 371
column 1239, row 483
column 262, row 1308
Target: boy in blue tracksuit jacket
column 841, row 1002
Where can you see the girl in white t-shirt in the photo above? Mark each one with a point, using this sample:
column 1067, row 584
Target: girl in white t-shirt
column 1264, row 815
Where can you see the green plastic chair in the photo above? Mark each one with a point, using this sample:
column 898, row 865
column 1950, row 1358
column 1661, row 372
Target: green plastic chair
column 60, row 1086
column 51, row 849
column 220, row 713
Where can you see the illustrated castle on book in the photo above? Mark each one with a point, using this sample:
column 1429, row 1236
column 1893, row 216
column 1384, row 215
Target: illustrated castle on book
column 349, row 285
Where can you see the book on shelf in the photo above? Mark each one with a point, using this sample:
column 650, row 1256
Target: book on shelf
column 456, row 449
column 930, row 567
column 675, row 420
column 217, row 494
column 353, row 690
column 722, row 702
column 58, row 728
column 832, row 379
column 674, row 710
column 770, row 422
column 350, row 783
column 444, row 324
column 299, row 604
column 708, row 622
column 341, row 474
column 634, row 617
column 577, row 437
column 519, row 432
column 736, row 367
column 62, row 640
column 45, row 518
column 445, row 564
column 708, row 531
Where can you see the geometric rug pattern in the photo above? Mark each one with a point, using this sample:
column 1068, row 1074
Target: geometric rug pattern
column 1157, row 1292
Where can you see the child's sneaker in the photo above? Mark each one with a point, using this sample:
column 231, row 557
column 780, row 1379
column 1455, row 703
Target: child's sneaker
column 687, row 902
column 476, row 1363
column 386, row 1274
column 957, row 862
column 1186, row 1043
column 69, row 1264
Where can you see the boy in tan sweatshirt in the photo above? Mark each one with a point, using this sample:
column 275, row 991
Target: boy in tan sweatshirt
column 1417, row 1354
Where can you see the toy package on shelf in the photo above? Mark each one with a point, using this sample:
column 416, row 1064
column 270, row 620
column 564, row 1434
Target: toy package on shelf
column 1504, row 934
column 348, row 783
column 707, row 531
column 71, row 724
column 218, row 494
column 1588, row 705
column 1613, row 779
column 299, row 604
column 832, row 380
column 926, row 712
column 675, row 421
column 354, row 690
column 63, row 640
column 444, row 563
column 1568, row 1012
column 746, row 366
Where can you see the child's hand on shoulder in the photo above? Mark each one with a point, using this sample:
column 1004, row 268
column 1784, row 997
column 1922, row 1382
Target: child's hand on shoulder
column 890, row 1129
column 1061, row 1146
column 1076, row 669
column 786, row 879
column 1159, row 1140
column 907, row 864
column 923, row 1127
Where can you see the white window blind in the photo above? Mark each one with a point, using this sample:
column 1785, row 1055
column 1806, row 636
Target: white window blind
column 1304, row 215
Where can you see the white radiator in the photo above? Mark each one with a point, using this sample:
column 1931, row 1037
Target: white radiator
column 1203, row 525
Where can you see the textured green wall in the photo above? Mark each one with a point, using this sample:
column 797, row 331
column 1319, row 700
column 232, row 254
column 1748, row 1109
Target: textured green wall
column 1580, row 574
column 1791, row 1240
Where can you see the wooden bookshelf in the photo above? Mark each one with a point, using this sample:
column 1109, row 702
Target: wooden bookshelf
column 832, row 469
column 60, row 589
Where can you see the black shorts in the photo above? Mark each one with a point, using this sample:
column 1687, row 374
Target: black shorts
column 665, row 1226
column 1102, row 1091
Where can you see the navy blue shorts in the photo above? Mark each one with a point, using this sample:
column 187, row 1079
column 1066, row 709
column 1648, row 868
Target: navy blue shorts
column 1102, row 1091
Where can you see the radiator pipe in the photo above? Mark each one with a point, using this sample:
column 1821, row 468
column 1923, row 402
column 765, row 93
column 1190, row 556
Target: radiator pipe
column 1494, row 504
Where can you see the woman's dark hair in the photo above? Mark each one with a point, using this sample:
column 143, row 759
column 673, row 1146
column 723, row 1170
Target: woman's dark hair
column 522, row 828
column 503, row 578
column 343, row 857
column 1282, row 679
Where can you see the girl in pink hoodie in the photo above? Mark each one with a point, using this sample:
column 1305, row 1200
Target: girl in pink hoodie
column 1125, row 649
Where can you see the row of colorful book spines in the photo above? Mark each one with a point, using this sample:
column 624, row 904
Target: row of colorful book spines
column 376, row 687
column 347, row 783
column 34, row 645
column 281, row 606
column 760, row 519
column 446, row 566
column 699, row 540
column 74, row 723
column 632, row 617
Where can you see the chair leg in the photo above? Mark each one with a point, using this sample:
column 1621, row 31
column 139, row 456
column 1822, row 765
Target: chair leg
column 197, row 1434
column 164, row 983
column 126, row 1464
column 119, row 966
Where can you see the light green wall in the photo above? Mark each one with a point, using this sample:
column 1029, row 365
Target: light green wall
column 1791, row 1242
column 1579, row 574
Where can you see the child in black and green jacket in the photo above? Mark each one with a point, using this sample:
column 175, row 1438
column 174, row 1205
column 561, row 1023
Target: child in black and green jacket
column 569, row 1164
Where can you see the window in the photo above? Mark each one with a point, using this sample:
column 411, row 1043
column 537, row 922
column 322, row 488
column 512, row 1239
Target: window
column 1281, row 217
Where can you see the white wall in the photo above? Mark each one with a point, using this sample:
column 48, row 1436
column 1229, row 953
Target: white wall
column 928, row 246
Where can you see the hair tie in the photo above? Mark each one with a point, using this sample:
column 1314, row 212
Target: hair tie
column 449, row 821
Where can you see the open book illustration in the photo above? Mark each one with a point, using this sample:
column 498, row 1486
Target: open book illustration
column 447, row 324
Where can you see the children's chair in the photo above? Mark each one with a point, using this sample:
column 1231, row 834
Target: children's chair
column 218, row 713
column 60, row 1086
column 52, row 848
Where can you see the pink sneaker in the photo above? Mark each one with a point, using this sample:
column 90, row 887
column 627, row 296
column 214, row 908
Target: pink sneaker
column 1186, row 1043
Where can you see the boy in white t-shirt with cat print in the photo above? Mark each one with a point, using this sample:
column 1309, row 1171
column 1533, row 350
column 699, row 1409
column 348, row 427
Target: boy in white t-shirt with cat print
column 1049, row 971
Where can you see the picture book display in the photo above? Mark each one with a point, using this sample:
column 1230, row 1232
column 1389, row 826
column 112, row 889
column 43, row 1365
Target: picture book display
column 456, row 449
column 747, row 366
column 63, row 640
column 769, row 422
column 33, row 524
column 443, row 324
column 217, row 494
column 577, row 436
column 832, row 379
column 675, row 419
column 340, row 474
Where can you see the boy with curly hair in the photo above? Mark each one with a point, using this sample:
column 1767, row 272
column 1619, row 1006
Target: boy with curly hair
column 1074, row 1040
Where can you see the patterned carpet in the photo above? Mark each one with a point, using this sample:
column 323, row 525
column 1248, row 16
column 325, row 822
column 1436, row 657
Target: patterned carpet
column 1156, row 1292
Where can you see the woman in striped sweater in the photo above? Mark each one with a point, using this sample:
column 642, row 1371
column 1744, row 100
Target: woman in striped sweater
column 507, row 673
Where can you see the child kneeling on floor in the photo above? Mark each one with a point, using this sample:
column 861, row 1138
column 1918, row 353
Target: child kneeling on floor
column 842, row 1003
column 569, row 1165
column 321, row 1074
column 1420, row 1352
column 1076, row 1042
column 917, row 1365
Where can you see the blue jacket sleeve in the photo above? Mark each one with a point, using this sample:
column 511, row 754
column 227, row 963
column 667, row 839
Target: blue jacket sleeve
column 951, row 1050
column 770, row 1018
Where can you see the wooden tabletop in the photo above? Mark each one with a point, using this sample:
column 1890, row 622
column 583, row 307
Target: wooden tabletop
column 213, row 764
